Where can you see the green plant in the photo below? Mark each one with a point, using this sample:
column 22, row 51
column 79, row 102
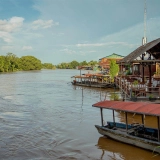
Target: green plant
column 135, row 82
column 151, row 96
column 114, row 69
column 114, row 97
column 128, row 72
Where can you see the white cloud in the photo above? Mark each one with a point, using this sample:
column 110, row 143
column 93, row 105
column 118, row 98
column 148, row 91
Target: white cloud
column 27, row 48
column 68, row 51
column 43, row 24
column 7, row 48
column 5, row 36
column 11, row 25
column 103, row 44
column 91, row 51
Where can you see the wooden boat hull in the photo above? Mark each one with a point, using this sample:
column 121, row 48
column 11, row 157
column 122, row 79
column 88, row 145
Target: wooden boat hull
column 129, row 139
column 94, row 85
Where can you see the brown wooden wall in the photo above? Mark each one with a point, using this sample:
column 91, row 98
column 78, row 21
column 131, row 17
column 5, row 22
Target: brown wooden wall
column 146, row 70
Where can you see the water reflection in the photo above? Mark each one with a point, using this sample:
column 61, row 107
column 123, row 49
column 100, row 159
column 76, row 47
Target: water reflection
column 115, row 150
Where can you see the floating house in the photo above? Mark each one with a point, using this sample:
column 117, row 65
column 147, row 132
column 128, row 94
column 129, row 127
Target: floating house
column 141, row 65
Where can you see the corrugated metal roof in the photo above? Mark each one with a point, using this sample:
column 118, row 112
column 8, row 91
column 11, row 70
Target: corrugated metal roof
column 134, row 107
column 113, row 56
column 152, row 47
column 89, row 76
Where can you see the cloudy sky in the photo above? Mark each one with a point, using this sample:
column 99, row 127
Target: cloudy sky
column 56, row 31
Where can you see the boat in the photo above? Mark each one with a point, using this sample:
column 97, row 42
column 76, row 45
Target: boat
column 93, row 80
column 136, row 134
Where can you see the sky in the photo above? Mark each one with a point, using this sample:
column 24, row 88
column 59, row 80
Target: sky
column 56, row 31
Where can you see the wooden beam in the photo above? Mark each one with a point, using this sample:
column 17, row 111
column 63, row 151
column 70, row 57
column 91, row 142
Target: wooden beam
column 158, row 122
column 126, row 121
column 101, row 110
column 113, row 118
column 150, row 77
column 142, row 119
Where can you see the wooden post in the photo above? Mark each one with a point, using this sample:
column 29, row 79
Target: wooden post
column 121, row 79
column 131, row 93
column 158, row 122
column 113, row 118
column 142, row 119
column 150, row 76
column 142, row 68
column 101, row 116
column 126, row 121
column 80, row 75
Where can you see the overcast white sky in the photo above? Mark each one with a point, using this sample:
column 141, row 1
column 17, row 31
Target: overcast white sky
column 56, row 31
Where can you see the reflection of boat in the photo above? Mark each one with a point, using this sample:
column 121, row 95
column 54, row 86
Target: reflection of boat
column 135, row 134
column 111, row 149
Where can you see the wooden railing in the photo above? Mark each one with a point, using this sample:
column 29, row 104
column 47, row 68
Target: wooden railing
column 129, row 89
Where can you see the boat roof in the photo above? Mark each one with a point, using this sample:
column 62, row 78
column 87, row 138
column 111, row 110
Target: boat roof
column 90, row 75
column 145, row 108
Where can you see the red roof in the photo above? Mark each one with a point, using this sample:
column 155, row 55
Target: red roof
column 135, row 107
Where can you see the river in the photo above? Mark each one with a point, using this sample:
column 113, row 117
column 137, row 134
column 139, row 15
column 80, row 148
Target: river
column 43, row 117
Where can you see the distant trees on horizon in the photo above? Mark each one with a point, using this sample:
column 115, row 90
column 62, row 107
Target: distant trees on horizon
column 73, row 64
column 12, row 63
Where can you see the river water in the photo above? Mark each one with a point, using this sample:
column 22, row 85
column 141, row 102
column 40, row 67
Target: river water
column 42, row 116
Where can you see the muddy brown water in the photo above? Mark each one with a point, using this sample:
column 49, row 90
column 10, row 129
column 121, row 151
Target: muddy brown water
column 42, row 116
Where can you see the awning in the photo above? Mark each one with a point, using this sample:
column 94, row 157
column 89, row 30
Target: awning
column 132, row 107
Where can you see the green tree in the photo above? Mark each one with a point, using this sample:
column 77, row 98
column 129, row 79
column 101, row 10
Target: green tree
column 30, row 63
column 114, row 69
column 12, row 61
column 2, row 61
column 92, row 63
column 48, row 66
column 84, row 63
column 74, row 64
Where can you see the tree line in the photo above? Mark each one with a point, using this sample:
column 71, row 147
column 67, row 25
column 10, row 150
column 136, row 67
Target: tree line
column 11, row 63
column 74, row 64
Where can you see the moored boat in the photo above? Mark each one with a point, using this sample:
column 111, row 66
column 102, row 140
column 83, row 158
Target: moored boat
column 93, row 80
column 136, row 134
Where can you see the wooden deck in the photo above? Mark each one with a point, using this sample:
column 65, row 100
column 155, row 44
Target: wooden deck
column 129, row 89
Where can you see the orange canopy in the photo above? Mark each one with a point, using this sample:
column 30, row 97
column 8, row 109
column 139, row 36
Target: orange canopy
column 134, row 107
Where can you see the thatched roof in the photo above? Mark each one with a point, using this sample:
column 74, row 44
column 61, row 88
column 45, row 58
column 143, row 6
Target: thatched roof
column 152, row 47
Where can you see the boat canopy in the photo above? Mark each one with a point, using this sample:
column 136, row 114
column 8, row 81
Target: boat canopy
column 145, row 108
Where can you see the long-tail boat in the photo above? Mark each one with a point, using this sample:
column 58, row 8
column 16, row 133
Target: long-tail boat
column 137, row 134
column 93, row 80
